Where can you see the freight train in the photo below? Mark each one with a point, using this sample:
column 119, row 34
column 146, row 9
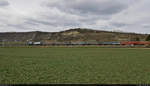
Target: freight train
column 92, row 43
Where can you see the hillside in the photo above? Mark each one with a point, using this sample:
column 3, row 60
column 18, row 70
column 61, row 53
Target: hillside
column 70, row 35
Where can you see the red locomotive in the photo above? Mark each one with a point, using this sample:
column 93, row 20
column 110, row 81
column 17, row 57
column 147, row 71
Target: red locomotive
column 135, row 43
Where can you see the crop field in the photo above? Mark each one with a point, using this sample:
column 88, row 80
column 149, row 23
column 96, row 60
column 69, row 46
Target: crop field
column 74, row 66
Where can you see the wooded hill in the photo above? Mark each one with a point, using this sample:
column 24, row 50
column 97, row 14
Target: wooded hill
column 72, row 35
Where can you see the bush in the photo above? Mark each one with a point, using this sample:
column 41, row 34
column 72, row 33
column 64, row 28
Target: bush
column 148, row 38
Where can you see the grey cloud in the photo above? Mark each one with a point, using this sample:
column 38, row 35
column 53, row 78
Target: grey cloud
column 56, row 15
column 119, row 24
column 146, row 26
column 37, row 22
column 90, row 11
column 50, row 22
column 96, row 7
column 23, row 27
column 4, row 3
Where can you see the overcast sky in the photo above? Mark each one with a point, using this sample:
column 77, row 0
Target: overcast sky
column 58, row 15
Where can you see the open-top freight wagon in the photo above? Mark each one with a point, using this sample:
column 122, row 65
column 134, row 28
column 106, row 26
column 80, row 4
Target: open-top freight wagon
column 111, row 43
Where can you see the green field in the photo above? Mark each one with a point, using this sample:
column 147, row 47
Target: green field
column 74, row 65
